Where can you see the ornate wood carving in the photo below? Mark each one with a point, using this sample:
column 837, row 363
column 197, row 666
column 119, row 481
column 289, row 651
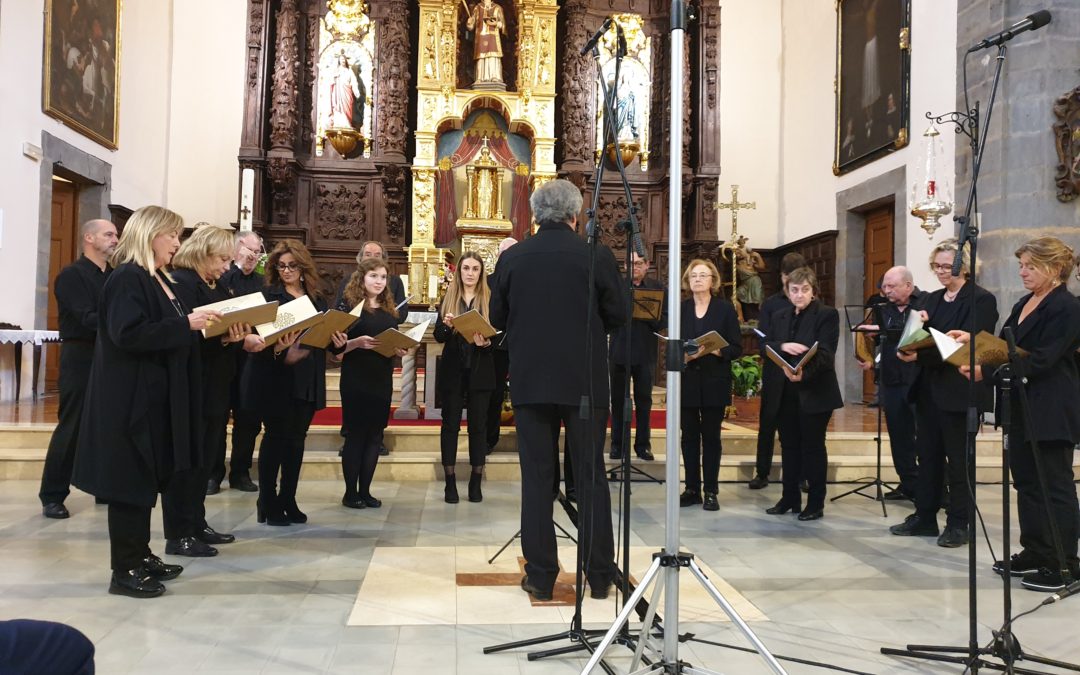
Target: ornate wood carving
column 311, row 48
column 710, row 30
column 284, row 113
column 708, row 200
column 341, row 211
column 282, row 173
column 393, row 192
column 256, row 17
column 613, row 210
column 687, row 107
column 394, row 80
column 577, row 88
column 1067, row 139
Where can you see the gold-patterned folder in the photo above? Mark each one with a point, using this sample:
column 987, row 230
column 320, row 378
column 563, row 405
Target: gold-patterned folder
column 251, row 308
column 294, row 315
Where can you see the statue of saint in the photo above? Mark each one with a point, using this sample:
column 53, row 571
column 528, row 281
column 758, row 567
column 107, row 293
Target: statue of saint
column 748, row 264
column 348, row 96
column 626, row 110
column 488, row 23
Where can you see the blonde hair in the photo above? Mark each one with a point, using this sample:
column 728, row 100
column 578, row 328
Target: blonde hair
column 952, row 246
column 714, row 289
column 206, row 242
column 354, row 290
column 1049, row 255
column 145, row 225
column 454, row 300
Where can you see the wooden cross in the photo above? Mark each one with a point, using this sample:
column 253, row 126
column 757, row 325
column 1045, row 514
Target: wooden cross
column 734, row 206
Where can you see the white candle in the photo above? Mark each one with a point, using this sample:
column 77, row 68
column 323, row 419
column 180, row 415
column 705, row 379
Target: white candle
column 433, row 286
column 247, row 198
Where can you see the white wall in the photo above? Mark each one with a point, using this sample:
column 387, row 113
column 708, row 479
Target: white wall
column 808, row 188
column 750, row 80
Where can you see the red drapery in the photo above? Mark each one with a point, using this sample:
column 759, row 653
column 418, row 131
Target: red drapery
column 446, row 213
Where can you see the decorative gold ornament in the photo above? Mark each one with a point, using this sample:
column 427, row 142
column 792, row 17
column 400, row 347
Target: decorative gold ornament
column 347, row 19
column 628, row 150
column 344, row 140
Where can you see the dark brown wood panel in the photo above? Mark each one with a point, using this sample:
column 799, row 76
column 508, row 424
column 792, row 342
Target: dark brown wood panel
column 64, row 248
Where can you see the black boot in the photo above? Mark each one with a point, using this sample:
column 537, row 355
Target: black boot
column 475, row 495
column 450, row 495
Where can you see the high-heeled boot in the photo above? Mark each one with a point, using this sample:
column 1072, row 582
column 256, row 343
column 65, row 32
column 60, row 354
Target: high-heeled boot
column 450, row 495
column 475, row 495
column 292, row 511
column 271, row 512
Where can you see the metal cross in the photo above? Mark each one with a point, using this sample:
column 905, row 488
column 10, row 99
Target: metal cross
column 734, row 206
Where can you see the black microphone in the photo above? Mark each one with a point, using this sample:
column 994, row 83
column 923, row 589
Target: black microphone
column 596, row 36
column 1031, row 22
column 1071, row 589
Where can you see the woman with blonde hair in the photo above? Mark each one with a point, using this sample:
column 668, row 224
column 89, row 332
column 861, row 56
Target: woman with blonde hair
column 466, row 375
column 367, row 379
column 142, row 400
column 197, row 267
column 941, row 402
column 1046, row 325
column 706, row 381
column 286, row 385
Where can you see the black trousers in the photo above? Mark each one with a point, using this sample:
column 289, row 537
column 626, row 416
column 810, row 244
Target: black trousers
column 802, row 450
column 282, row 451
column 454, row 399
column 495, row 402
column 28, row 646
column 246, row 427
column 1035, row 522
column 129, row 535
column 75, row 360
column 941, row 454
column 188, row 488
column 538, row 446
column 641, row 377
column 766, row 438
column 900, row 422
column 701, row 448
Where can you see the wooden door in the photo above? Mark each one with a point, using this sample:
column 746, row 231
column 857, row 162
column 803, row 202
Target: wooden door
column 64, row 248
column 877, row 259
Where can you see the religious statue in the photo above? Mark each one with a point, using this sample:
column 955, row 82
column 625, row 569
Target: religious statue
column 348, row 96
column 626, row 111
column 484, row 197
column 748, row 263
column 488, row 23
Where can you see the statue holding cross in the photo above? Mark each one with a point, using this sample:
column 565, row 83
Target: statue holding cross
column 746, row 288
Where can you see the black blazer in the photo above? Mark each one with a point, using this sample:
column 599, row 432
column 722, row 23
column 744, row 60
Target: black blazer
column 818, row 391
column 706, row 381
column 1051, row 336
column 642, row 333
column 461, row 356
column 948, row 388
column 144, row 378
column 78, row 293
column 891, row 321
column 218, row 360
column 541, row 301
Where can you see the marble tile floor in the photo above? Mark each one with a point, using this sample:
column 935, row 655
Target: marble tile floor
column 279, row 600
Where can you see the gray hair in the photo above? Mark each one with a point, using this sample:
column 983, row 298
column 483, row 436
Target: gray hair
column 556, row 201
column 92, row 226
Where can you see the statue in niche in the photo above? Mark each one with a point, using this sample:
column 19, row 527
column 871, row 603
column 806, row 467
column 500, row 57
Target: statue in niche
column 488, row 23
column 484, row 194
column 348, row 95
column 625, row 110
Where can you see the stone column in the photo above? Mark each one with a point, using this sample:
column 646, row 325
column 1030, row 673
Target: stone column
column 1017, row 193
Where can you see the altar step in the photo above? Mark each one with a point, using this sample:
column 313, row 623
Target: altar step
column 415, row 455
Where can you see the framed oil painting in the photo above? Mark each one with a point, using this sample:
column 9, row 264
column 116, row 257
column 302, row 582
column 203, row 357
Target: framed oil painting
column 873, row 80
column 81, row 80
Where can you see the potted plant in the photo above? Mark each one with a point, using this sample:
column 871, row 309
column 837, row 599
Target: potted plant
column 746, row 383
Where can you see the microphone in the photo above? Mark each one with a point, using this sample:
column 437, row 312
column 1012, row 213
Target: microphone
column 1071, row 589
column 1031, row 22
column 600, row 33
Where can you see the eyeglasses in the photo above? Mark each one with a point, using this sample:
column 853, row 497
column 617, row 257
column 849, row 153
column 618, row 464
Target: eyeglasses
column 941, row 268
column 641, row 263
column 292, row 267
column 706, row 275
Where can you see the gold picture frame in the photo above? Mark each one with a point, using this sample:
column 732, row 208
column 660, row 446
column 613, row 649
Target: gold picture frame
column 81, row 71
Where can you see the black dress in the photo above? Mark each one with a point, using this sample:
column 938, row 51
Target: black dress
column 466, row 379
column 367, row 385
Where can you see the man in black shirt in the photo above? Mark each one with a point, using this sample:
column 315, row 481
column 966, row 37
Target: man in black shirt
column 638, row 364
column 77, row 290
column 896, row 377
column 559, row 375
column 242, row 278
column 502, row 367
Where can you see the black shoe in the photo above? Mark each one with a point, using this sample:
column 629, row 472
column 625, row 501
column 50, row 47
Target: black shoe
column 475, row 493
column 1020, row 564
column 383, row 450
column 136, row 583
column 212, row 487
column 208, row 535
column 450, row 495
column 689, row 498
column 353, row 502
column 616, row 453
column 243, row 483
column 780, row 508
column 896, row 496
column 645, row 454
column 953, row 537
column 710, row 503
column 815, row 514
column 190, row 547
column 370, row 501
column 914, row 526
column 159, row 569
column 1045, row 581
column 758, row 482
column 535, row 592
column 55, row 510
column 600, row 591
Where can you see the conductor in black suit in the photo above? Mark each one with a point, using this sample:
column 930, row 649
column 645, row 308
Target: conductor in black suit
column 542, row 302
column 77, row 290
column 638, row 364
